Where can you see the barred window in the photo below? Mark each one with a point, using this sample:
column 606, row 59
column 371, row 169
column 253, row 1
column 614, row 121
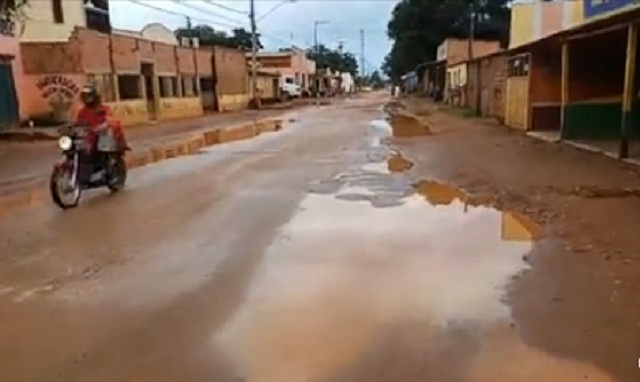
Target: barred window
column 518, row 66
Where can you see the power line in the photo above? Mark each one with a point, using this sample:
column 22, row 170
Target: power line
column 208, row 21
column 213, row 14
column 222, row 6
column 183, row 15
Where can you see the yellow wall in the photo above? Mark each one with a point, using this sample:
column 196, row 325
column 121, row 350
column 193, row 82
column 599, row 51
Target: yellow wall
column 517, row 104
column 522, row 24
column 39, row 24
column 174, row 108
column 130, row 113
column 535, row 20
column 233, row 102
column 457, row 75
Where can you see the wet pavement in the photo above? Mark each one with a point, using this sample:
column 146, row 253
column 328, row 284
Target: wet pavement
column 310, row 254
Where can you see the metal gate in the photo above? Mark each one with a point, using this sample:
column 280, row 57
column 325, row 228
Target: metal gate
column 9, row 115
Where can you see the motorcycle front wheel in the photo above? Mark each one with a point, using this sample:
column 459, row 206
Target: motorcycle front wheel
column 63, row 193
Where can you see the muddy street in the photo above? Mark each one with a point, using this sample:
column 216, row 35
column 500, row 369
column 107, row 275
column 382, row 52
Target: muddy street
column 333, row 250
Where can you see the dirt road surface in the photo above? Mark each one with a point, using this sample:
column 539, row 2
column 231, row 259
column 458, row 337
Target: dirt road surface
column 329, row 251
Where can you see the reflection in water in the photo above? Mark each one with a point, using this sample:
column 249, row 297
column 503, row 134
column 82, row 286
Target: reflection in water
column 518, row 227
column 405, row 126
column 344, row 270
column 438, row 193
column 345, row 279
column 398, row 163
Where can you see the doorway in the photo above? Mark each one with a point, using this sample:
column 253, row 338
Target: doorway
column 9, row 115
column 151, row 93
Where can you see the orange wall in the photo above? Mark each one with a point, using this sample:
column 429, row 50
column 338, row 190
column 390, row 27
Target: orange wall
column 546, row 75
column 11, row 46
column 43, row 91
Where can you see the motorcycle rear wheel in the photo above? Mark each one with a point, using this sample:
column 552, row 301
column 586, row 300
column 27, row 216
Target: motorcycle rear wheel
column 118, row 176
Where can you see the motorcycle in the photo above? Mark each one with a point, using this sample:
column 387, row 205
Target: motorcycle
column 84, row 167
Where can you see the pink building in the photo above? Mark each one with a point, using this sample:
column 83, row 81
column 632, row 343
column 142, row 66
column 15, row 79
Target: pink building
column 14, row 101
column 293, row 62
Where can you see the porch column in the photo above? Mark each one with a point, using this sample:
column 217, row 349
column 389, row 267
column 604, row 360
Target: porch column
column 629, row 91
column 564, row 100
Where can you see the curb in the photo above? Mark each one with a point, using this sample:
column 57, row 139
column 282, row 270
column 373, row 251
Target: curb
column 182, row 147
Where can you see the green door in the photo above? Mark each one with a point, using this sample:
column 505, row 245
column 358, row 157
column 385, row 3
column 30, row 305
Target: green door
column 9, row 115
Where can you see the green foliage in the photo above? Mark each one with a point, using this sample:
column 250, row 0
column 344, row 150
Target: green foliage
column 10, row 12
column 334, row 59
column 417, row 27
column 208, row 36
column 374, row 80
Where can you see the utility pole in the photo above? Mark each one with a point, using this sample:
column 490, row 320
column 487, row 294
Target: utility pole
column 254, row 53
column 472, row 32
column 362, row 68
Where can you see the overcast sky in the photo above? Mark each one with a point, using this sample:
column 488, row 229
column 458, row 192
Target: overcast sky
column 289, row 23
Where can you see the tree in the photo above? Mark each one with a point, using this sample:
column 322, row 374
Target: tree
column 375, row 80
column 241, row 38
column 10, row 12
column 208, row 36
column 417, row 27
column 334, row 59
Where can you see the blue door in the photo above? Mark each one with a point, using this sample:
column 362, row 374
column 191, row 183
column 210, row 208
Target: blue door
column 9, row 115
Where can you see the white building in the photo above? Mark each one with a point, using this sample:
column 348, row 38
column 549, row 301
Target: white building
column 347, row 84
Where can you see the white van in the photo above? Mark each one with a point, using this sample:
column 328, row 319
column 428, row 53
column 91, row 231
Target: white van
column 289, row 88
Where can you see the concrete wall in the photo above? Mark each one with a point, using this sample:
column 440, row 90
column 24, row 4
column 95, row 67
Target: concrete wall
column 56, row 72
column 493, row 74
column 457, row 51
column 230, row 66
column 457, row 75
column 40, row 25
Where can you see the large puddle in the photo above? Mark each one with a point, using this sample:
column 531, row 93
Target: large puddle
column 379, row 279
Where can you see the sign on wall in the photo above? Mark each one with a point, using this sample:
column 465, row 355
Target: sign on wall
column 59, row 91
column 594, row 8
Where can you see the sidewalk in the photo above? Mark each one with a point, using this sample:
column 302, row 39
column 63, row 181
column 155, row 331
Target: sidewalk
column 25, row 165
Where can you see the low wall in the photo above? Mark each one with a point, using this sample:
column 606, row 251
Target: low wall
column 233, row 102
column 175, row 108
column 130, row 112
column 597, row 119
column 545, row 117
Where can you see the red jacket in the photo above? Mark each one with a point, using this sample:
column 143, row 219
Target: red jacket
column 93, row 117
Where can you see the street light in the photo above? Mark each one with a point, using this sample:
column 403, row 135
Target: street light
column 273, row 9
column 254, row 46
column 315, row 33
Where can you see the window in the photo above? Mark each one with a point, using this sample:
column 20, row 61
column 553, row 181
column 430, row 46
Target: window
column 189, row 86
column 129, row 86
column 104, row 85
column 168, row 87
column 58, row 13
column 288, row 80
column 518, row 66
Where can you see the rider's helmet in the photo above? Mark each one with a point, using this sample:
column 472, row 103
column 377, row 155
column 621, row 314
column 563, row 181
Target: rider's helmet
column 90, row 96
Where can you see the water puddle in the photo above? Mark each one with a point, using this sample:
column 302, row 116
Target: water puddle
column 406, row 126
column 376, row 273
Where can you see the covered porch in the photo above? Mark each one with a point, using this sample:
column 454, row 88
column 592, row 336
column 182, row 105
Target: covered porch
column 600, row 108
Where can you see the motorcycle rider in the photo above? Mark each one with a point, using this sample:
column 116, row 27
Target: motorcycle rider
column 93, row 114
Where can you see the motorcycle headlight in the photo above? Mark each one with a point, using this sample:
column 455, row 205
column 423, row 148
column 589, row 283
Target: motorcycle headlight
column 65, row 143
